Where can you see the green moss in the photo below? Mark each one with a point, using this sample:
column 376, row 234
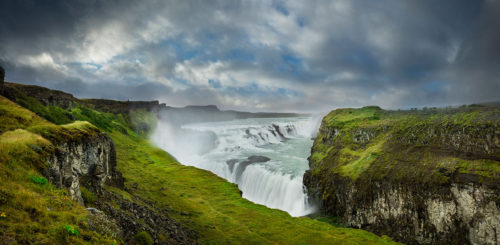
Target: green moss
column 406, row 148
column 483, row 167
column 356, row 162
column 143, row 238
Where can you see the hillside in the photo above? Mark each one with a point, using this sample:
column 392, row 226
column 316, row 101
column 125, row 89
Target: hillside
column 57, row 155
column 419, row 176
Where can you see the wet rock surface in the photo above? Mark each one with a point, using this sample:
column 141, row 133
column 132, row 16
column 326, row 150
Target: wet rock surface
column 242, row 164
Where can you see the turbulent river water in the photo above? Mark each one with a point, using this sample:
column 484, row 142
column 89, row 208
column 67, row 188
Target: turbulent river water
column 224, row 147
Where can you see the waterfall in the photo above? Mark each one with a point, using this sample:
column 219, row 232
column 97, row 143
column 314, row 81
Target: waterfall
column 275, row 182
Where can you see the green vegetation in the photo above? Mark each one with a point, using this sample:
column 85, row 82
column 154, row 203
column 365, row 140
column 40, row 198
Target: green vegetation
column 32, row 210
column 351, row 116
column 414, row 147
column 71, row 230
column 53, row 114
column 39, row 180
column 213, row 207
column 196, row 198
column 89, row 197
column 143, row 238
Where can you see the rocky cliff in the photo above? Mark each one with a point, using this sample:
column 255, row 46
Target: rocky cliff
column 421, row 177
column 90, row 159
column 85, row 157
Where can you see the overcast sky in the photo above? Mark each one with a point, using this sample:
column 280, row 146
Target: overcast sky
column 258, row 55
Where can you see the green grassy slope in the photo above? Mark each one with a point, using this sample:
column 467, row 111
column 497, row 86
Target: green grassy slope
column 213, row 207
column 33, row 211
column 407, row 146
column 198, row 199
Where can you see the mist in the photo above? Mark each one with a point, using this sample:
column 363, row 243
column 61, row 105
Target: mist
column 265, row 157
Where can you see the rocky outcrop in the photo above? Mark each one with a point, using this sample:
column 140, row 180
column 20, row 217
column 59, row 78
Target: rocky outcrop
column 92, row 159
column 2, row 77
column 137, row 215
column 47, row 97
column 480, row 140
column 453, row 214
column 242, row 164
column 90, row 162
column 417, row 179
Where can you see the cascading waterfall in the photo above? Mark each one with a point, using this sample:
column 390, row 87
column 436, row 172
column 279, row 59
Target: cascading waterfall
column 266, row 158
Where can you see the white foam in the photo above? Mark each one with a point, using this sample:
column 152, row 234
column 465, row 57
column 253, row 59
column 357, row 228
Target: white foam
column 277, row 183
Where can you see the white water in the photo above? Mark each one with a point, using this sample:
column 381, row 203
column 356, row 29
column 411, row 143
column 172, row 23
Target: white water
column 276, row 183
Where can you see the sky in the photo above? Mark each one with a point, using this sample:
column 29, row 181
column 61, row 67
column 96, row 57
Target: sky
column 302, row 56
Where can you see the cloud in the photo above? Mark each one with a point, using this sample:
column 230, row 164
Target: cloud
column 258, row 55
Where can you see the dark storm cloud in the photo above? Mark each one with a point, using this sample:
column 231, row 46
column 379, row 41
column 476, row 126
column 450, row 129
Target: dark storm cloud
column 261, row 55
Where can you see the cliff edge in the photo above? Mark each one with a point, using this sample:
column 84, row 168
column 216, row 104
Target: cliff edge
column 422, row 177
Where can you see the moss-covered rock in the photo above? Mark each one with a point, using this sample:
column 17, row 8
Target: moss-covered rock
column 417, row 176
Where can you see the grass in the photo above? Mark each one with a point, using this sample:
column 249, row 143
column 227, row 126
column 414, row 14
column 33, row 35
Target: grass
column 214, row 208
column 403, row 146
column 482, row 167
column 363, row 158
column 341, row 117
column 13, row 116
column 32, row 210
column 53, row 114
column 197, row 198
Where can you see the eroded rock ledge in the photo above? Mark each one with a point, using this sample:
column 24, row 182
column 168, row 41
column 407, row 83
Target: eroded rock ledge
column 93, row 159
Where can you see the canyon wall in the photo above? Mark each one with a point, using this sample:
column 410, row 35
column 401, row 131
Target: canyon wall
column 428, row 177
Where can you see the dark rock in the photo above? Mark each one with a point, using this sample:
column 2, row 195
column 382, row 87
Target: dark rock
column 244, row 164
column 133, row 217
column 2, row 78
column 255, row 159
column 91, row 160
column 231, row 164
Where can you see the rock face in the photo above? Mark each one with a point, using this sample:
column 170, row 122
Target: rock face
column 92, row 160
column 2, row 77
column 415, row 178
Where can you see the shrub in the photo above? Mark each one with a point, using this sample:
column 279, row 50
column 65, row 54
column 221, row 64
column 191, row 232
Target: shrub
column 70, row 230
column 143, row 238
column 39, row 180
